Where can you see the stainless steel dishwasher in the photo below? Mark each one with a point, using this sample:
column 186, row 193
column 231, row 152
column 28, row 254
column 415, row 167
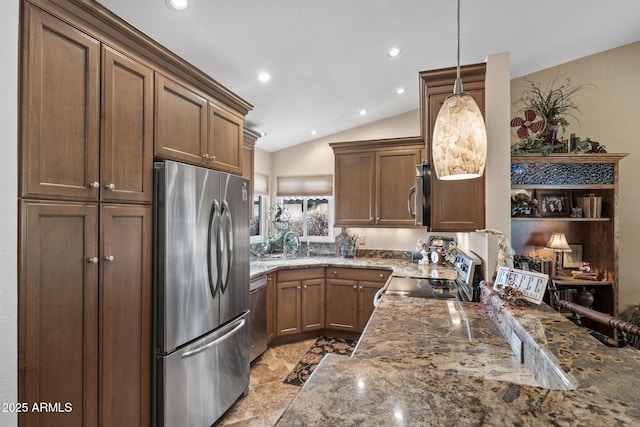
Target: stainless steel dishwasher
column 258, row 294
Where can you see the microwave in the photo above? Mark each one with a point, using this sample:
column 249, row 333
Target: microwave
column 420, row 196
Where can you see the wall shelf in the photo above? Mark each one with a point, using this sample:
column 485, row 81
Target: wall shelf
column 577, row 175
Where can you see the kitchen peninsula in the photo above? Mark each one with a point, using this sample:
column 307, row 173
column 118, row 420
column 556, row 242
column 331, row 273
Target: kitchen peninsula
column 431, row 362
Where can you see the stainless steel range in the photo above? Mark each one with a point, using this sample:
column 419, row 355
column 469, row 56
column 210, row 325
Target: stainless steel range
column 464, row 287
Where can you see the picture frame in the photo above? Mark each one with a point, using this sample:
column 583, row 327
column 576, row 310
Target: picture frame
column 553, row 203
column 574, row 258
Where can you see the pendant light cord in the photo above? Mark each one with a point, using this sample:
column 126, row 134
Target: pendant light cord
column 458, row 39
column 457, row 86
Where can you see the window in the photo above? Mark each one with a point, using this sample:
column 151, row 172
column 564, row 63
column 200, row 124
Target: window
column 308, row 203
column 258, row 222
column 310, row 217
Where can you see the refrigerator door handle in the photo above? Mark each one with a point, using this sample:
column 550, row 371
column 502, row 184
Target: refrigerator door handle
column 213, row 263
column 214, row 342
column 226, row 246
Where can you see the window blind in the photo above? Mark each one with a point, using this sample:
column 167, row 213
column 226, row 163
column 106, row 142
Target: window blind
column 308, row 185
column 260, row 184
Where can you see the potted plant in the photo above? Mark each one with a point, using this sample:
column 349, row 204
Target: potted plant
column 555, row 103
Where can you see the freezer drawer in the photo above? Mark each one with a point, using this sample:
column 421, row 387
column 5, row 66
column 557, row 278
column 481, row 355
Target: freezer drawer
column 203, row 379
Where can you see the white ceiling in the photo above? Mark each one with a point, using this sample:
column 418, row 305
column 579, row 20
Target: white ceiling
column 328, row 58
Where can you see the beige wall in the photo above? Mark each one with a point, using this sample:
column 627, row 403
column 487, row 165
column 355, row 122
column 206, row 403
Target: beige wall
column 609, row 115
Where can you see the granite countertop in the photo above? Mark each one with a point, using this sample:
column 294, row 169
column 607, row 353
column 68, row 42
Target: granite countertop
column 399, row 266
column 433, row 362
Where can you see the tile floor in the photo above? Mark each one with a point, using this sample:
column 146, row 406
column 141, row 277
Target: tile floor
column 268, row 396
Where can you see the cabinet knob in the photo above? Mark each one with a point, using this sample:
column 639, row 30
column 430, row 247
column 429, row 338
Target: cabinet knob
column 335, row 272
column 355, row 287
column 110, row 187
column 298, row 287
column 305, row 286
column 381, row 275
column 269, row 279
column 206, row 156
column 212, row 157
column 92, row 260
column 94, row 184
column 109, row 258
column 360, row 287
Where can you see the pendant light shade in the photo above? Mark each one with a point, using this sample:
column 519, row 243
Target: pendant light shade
column 459, row 142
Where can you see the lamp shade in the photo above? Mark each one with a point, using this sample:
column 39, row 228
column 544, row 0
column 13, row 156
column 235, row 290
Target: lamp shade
column 558, row 243
column 459, row 143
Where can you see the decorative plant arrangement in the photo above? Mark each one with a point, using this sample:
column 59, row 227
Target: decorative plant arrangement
column 348, row 244
column 546, row 109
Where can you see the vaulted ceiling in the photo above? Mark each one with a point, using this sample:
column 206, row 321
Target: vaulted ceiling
column 328, row 59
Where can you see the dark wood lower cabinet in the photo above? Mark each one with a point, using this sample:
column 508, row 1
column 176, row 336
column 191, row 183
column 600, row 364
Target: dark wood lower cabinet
column 58, row 313
column 125, row 316
column 85, row 314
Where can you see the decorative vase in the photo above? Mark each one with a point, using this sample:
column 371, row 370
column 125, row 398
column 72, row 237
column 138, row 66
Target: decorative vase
column 551, row 132
column 347, row 251
column 585, row 298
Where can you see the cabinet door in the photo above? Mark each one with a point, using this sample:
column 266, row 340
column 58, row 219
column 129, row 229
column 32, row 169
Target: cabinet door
column 181, row 123
column 125, row 315
column 127, row 129
column 288, row 307
column 355, row 197
column 342, row 304
column 312, row 304
column 271, row 307
column 457, row 205
column 60, row 112
column 394, row 178
column 58, row 312
column 367, row 292
column 225, row 140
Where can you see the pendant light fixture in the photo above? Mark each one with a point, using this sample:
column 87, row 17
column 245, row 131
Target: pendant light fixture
column 459, row 143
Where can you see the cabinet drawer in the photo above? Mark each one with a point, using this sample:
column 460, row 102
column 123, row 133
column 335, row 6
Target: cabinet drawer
column 301, row 274
column 359, row 274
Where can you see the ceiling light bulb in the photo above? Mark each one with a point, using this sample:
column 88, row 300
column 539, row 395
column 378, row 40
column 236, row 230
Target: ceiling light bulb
column 363, row 112
column 393, row 52
column 400, row 91
column 264, row 77
column 178, row 4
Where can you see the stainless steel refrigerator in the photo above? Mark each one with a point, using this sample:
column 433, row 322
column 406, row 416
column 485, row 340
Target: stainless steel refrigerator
column 201, row 293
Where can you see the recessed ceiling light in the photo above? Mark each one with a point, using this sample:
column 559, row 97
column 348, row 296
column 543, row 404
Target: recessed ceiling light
column 314, row 132
column 363, row 112
column 264, row 77
column 177, row 4
column 394, row 51
column 400, row 91
column 263, row 134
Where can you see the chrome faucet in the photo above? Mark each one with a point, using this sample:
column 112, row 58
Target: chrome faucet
column 285, row 245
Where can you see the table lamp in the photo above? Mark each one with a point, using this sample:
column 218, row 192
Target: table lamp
column 558, row 243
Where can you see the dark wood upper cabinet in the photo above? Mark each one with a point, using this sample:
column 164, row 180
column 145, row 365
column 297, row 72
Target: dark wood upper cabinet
column 60, row 110
column 181, row 123
column 225, row 143
column 127, row 129
column 455, row 205
column 373, row 179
